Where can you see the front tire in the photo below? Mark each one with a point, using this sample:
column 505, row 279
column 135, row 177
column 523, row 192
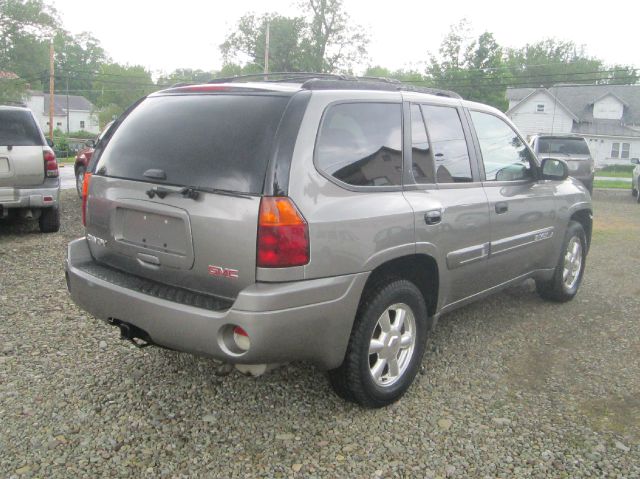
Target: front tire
column 567, row 277
column 386, row 345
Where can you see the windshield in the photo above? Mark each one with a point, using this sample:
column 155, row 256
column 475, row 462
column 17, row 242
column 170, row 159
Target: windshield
column 566, row 146
column 210, row 141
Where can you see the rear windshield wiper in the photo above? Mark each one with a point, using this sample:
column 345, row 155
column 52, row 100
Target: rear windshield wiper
column 192, row 192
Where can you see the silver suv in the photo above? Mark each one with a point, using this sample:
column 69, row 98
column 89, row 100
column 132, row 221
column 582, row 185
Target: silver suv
column 572, row 149
column 327, row 220
column 29, row 183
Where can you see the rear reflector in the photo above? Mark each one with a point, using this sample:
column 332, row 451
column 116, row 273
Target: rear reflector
column 283, row 234
column 85, row 196
column 241, row 339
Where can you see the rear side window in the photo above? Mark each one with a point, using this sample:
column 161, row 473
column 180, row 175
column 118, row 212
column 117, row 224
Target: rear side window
column 563, row 146
column 449, row 145
column 18, row 128
column 361, row 144
column 423, row 171
column 213, row 141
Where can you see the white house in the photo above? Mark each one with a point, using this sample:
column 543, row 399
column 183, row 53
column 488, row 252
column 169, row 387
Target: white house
column 607, row 116
column 80, row 112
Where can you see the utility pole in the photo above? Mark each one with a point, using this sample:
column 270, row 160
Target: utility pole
column 67, row 103
column 266, row 51
column 51, row 88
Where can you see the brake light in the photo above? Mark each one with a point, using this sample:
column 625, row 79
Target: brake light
column 50, row 164
column 283, row 234
column 85, row 196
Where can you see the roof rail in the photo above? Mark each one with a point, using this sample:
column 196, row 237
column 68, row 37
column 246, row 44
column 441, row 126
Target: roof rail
column 332, row 81
column 377, row 84
column 279, row 77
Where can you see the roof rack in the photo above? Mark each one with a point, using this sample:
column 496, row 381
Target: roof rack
column 389, row 85
column 296, row 77
column 332, row 81
column 13, row 103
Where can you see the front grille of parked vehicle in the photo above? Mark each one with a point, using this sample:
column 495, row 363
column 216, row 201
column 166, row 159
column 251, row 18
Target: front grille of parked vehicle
column 154, row 288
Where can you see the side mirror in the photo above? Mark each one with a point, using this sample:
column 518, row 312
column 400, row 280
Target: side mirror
column 50, row 142
column 554, row 169
column 635, row 161
column 90, row 143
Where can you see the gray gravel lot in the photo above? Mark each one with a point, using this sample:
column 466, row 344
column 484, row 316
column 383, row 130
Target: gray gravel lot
column 512, row 386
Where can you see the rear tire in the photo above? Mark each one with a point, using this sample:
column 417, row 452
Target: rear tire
column 79, row 180
column 567, row 277
column 386, row 345
column 49, row 220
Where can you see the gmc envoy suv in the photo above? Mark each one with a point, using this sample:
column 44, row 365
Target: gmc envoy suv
column 317, row 218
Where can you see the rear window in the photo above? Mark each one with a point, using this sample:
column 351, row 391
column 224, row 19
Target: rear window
column 212, row 141
column 566, row 146
column 18, row 128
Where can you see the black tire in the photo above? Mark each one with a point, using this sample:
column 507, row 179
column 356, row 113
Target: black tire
column 49, row 220
column 556, row 289
column 353, row 379
column 79, row 179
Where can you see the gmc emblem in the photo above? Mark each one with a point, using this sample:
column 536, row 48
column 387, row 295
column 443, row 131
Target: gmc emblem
column 224, row 272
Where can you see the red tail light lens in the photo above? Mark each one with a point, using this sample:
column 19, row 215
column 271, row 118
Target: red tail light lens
column 85, row 196
column 283, row 234
column 50, row 164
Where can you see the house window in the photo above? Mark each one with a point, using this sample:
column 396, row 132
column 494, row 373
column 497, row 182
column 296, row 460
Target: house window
column 59, row 123
column 82, row 125
column 625, row 151
column 540, row 107
column 615, row 150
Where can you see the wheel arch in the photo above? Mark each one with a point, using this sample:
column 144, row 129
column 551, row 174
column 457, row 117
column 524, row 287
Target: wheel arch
column 585, row 218
column 420, row 269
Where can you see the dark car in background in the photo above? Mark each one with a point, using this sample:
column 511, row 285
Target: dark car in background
column 84, row 157
column 570, row 148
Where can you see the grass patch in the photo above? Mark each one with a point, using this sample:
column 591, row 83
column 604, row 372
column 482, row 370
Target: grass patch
column 618, row 168
column 614, row 174
column 623, row 185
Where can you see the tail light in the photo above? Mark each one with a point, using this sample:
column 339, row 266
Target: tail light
column 50, row 164
column 283, row 234
column 85, row 196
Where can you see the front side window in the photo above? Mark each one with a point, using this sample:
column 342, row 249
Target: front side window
column 504, row 154
column 449, row 145
column 625, row 151
column 361, row 144
column 423, row 170
column 615, row 150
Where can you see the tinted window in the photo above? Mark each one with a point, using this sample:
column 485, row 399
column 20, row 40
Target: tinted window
column 423, row 170
column 361, row 144
column 215, row 141
column 18, row 128
column 504, row 154
column 566, row 146
column 448, row 143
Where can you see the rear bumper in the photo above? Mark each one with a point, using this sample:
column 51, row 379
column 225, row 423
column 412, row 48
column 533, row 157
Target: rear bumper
column 46, row 195
column 303, row 320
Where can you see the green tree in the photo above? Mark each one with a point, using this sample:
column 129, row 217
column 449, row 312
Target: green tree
column 185, row 75
column 322, row 40
column 118, row 86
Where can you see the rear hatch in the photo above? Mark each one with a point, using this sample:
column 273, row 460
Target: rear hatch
column 175, row 195
column 21, row 149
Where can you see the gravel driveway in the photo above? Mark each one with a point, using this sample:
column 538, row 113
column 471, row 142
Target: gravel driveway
column 512, row 386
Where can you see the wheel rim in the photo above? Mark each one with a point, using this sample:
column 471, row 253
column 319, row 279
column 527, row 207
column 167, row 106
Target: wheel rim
column 392, row 344
column 572, row 263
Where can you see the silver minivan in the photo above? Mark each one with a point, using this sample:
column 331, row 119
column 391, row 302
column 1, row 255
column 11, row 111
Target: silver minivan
column 328, row 220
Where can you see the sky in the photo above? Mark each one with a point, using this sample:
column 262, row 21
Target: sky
column 187, row 34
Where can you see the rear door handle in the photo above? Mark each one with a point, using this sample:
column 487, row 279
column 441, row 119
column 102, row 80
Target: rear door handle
column 433, row 217
column 501, row 207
